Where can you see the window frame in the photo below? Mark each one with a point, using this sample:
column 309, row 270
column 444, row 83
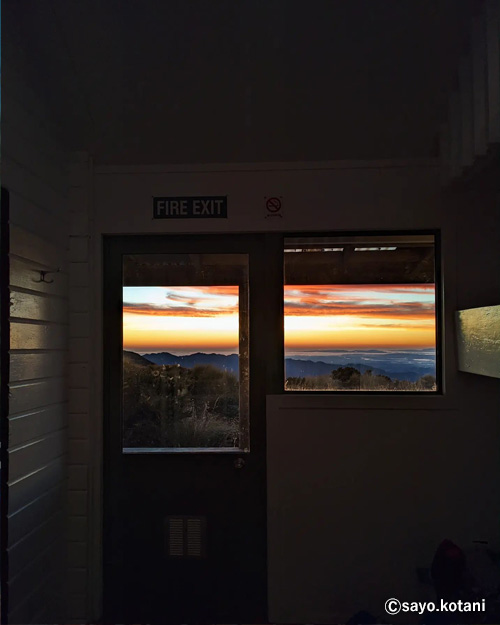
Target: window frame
column 436, row 233
column 262, row 380
column 243, row 375
column 268, row 271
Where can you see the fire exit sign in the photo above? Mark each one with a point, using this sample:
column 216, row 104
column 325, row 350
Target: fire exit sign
column 184, row 207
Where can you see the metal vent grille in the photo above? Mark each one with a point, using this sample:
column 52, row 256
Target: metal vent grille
column 176, row 537
column 185, row 536
column 193, row 537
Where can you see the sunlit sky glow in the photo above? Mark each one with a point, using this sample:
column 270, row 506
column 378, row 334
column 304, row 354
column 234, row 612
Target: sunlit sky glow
column 181, row 318
column 205, row 318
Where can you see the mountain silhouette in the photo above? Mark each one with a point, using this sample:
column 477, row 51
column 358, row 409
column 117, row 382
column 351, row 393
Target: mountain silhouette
column 293, row 367
column 226, row 363
column 135, row 358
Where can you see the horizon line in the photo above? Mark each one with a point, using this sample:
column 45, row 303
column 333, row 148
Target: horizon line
column 303, row 351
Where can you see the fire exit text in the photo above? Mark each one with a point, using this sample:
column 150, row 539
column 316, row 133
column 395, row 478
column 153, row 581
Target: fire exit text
column 182, row 207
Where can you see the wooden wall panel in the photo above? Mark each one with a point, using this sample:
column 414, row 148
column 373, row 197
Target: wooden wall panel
column 25, row 274
column 27, row 489
column 35, row 172
column 32, row 394
column 38, row 307
column 37, row 423
column 29, row 456
column 34, row 336
column 35, row 248
column 21, row 552
column 36, row 512
column 31, row 365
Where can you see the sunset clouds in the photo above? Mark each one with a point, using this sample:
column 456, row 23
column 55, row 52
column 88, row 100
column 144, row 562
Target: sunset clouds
column 359, row 316
column 188, row 301
column 408, row 302
column 201, row 318
column 182, row 319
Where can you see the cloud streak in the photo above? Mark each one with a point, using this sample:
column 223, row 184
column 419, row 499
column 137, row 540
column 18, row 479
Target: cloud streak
column 408, row 302
column 177, row 311
column 203, row 301
column 378, row 302
column 408, row 310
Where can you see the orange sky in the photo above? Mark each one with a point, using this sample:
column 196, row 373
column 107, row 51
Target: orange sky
column 181, row 319
column 359, row 316
column 190, row 319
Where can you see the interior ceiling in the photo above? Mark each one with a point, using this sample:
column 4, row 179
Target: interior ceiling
column 192, row 81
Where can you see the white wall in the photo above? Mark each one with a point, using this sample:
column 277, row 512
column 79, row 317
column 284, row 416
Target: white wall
column 359, row 498
column 346, row 491
column 362, row 490
column 321, row 196
column 83, row 544
column 34, row 170
column 315, row 196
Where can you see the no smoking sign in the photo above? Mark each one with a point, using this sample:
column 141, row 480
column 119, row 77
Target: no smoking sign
column 273, row 206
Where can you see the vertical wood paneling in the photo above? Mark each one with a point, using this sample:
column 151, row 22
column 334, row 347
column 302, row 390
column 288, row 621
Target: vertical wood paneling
column 466, row 117
column 473, row 119
column 455, row 134
column 479, row 88
column 444, row 152
column 493, row 53
column 35, row 171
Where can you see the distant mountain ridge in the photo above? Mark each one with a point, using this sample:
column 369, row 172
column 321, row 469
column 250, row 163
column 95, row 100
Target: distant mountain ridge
column 135, row 358
column 294, row 367
column 305, row 368
column 221, row 361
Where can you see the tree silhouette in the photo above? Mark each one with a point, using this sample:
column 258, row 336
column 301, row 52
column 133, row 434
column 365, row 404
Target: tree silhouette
column 348, row 377
column 171, row 406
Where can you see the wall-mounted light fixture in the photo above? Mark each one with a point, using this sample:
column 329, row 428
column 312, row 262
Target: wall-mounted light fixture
column 478, row 340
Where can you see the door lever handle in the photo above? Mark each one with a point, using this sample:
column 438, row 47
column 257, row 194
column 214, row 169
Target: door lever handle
column 239, row 463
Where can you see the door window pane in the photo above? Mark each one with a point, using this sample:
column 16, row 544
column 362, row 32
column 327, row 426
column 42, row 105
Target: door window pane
column 185, row 352
column 360, row 314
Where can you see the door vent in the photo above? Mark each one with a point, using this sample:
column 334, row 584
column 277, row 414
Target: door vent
column 185, row 536
column 176, row 537
column 193, row 537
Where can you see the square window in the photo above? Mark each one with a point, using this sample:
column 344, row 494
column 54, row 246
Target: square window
column 360, row 313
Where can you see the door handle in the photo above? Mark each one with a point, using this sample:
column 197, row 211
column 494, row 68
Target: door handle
column 239, row 463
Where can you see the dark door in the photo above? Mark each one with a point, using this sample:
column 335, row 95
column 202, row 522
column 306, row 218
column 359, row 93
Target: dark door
column 191, row 347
